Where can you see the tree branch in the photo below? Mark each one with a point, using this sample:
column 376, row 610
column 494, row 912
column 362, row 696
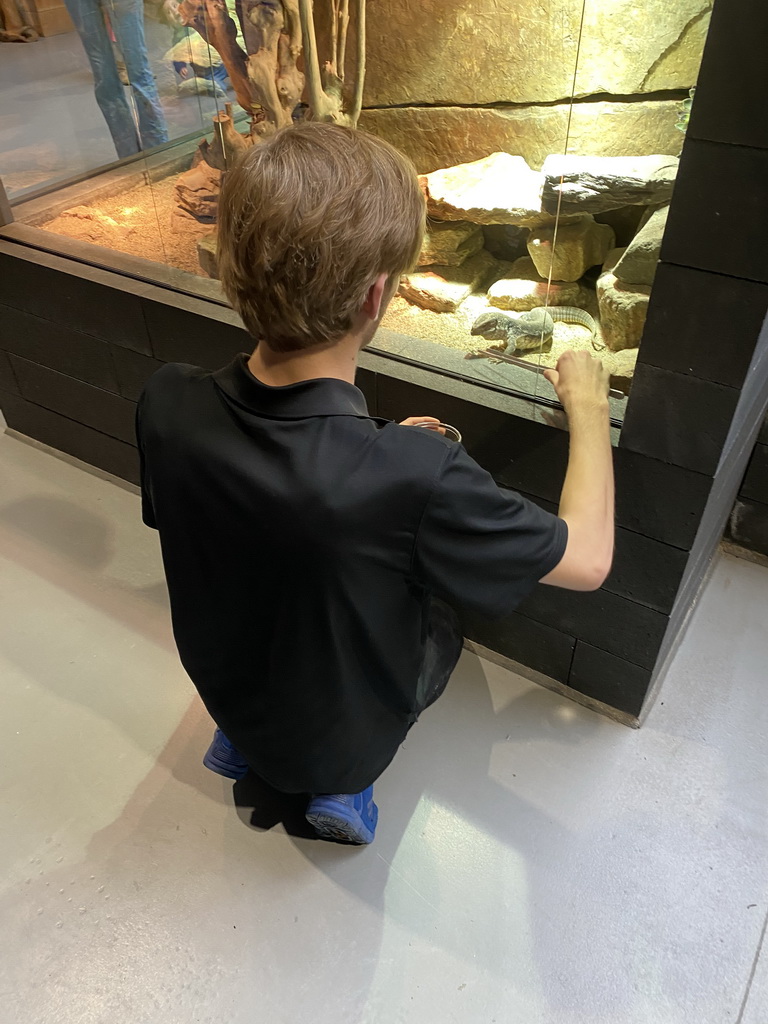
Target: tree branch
column 343, row 30
column 357, row 98
column 318, row 100
column 335, row 36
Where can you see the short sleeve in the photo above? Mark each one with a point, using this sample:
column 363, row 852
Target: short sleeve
column 482, row 548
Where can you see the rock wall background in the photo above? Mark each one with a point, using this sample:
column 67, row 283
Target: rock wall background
column 449, row 81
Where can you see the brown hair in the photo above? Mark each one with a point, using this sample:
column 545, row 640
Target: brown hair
column 307, row 221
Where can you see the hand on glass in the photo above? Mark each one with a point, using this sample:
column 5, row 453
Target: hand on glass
column 579, row 379
column 428, row 422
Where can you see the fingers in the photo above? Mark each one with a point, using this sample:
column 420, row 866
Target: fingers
column 552, row 376
column 418, row 421
column 426, row 422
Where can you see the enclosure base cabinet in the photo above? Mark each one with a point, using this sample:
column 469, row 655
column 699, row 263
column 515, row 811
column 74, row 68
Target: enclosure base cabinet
column 78, row 342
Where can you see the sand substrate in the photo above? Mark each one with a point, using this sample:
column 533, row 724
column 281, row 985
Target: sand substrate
column 452, row 330
column 140, row 222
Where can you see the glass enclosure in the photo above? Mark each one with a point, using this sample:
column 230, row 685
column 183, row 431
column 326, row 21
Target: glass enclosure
column 547, row 136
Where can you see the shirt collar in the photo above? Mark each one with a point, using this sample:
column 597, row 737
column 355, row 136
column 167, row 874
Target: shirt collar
column 325, row 396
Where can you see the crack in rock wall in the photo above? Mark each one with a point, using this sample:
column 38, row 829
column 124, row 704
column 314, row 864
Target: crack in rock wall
column 440, row 72
column 436, row 137
column 455, row 52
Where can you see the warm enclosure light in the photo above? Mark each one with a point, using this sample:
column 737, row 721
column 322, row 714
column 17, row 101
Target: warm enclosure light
column 128, row 210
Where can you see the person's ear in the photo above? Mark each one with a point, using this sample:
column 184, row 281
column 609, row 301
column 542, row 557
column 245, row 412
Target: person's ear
column 375, row 299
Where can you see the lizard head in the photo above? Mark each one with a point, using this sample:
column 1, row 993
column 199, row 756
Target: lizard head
column 492, row 326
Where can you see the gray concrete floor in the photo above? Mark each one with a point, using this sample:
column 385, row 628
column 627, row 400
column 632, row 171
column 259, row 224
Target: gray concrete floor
column 50, row 125
column 535, row 863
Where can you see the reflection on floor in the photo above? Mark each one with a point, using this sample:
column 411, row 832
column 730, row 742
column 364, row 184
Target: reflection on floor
column 535, row 863
column 50, row 125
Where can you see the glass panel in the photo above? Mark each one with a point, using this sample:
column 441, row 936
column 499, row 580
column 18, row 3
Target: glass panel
column 632, row 92
column 616, row 78
column 536, row 127
column 107, row 80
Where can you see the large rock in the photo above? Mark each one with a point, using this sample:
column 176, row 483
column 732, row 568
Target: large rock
column 589, row 184
column 88, row 224
column 622, row 368
column 206, row 255
column 439, row 136
column 639, row 262
column 623, row 308
column 444, row 289
column 497, row 51
column 523, row 288
column 197, row 191
column 450, row 244
column 500, row 189
column 570, row 249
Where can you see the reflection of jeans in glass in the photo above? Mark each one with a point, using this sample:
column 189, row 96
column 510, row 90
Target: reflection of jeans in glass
column 127, row 20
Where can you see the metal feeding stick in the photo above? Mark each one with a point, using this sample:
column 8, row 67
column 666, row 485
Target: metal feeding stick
column 533, row 367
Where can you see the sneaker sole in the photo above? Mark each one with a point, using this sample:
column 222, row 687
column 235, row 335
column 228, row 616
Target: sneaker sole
column 345, row 830
column 222, row 768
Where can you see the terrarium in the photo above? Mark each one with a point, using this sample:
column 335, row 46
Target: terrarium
column 547, row 137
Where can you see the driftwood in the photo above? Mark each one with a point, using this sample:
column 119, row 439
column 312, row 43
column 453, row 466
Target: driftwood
column 267, row 81
column 328, row 98
column 213, row 21
column 272, row 35
column 12, row 27
column 227, row 143
column 266, row 76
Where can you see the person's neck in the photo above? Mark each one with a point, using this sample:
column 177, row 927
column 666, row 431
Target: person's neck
column 279, row 369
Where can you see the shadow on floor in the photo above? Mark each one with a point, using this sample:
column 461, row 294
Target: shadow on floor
column 261, row 807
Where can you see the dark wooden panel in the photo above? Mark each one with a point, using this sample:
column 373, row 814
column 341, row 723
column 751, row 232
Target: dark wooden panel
column 755, row 483
column 105, row 412
column 366, row 381
column 678, row 419
column 133, row 371
column 187, row 330
column 612, row 623
column 646, row 571
column 61, row 348
column 703, row 324
column 730, row 92
column 76, row 439
column 504, row 445
column 531, row 643
column 748, row 525
column 719, row 211
column 78, row 301
column 610, row 679
column 659, row 500
column 8, row 380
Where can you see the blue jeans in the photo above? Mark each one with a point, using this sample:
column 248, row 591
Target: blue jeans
column 127, row 20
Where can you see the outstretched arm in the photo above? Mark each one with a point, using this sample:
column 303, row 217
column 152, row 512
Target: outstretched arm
column 587, row 500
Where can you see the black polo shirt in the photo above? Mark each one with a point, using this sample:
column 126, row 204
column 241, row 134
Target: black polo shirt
column 303, row 540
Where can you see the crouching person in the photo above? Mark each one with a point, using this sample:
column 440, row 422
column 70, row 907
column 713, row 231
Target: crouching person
column 314, row 553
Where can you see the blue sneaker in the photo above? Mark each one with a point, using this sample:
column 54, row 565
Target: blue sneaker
column 350, row 818
column 222, row 758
